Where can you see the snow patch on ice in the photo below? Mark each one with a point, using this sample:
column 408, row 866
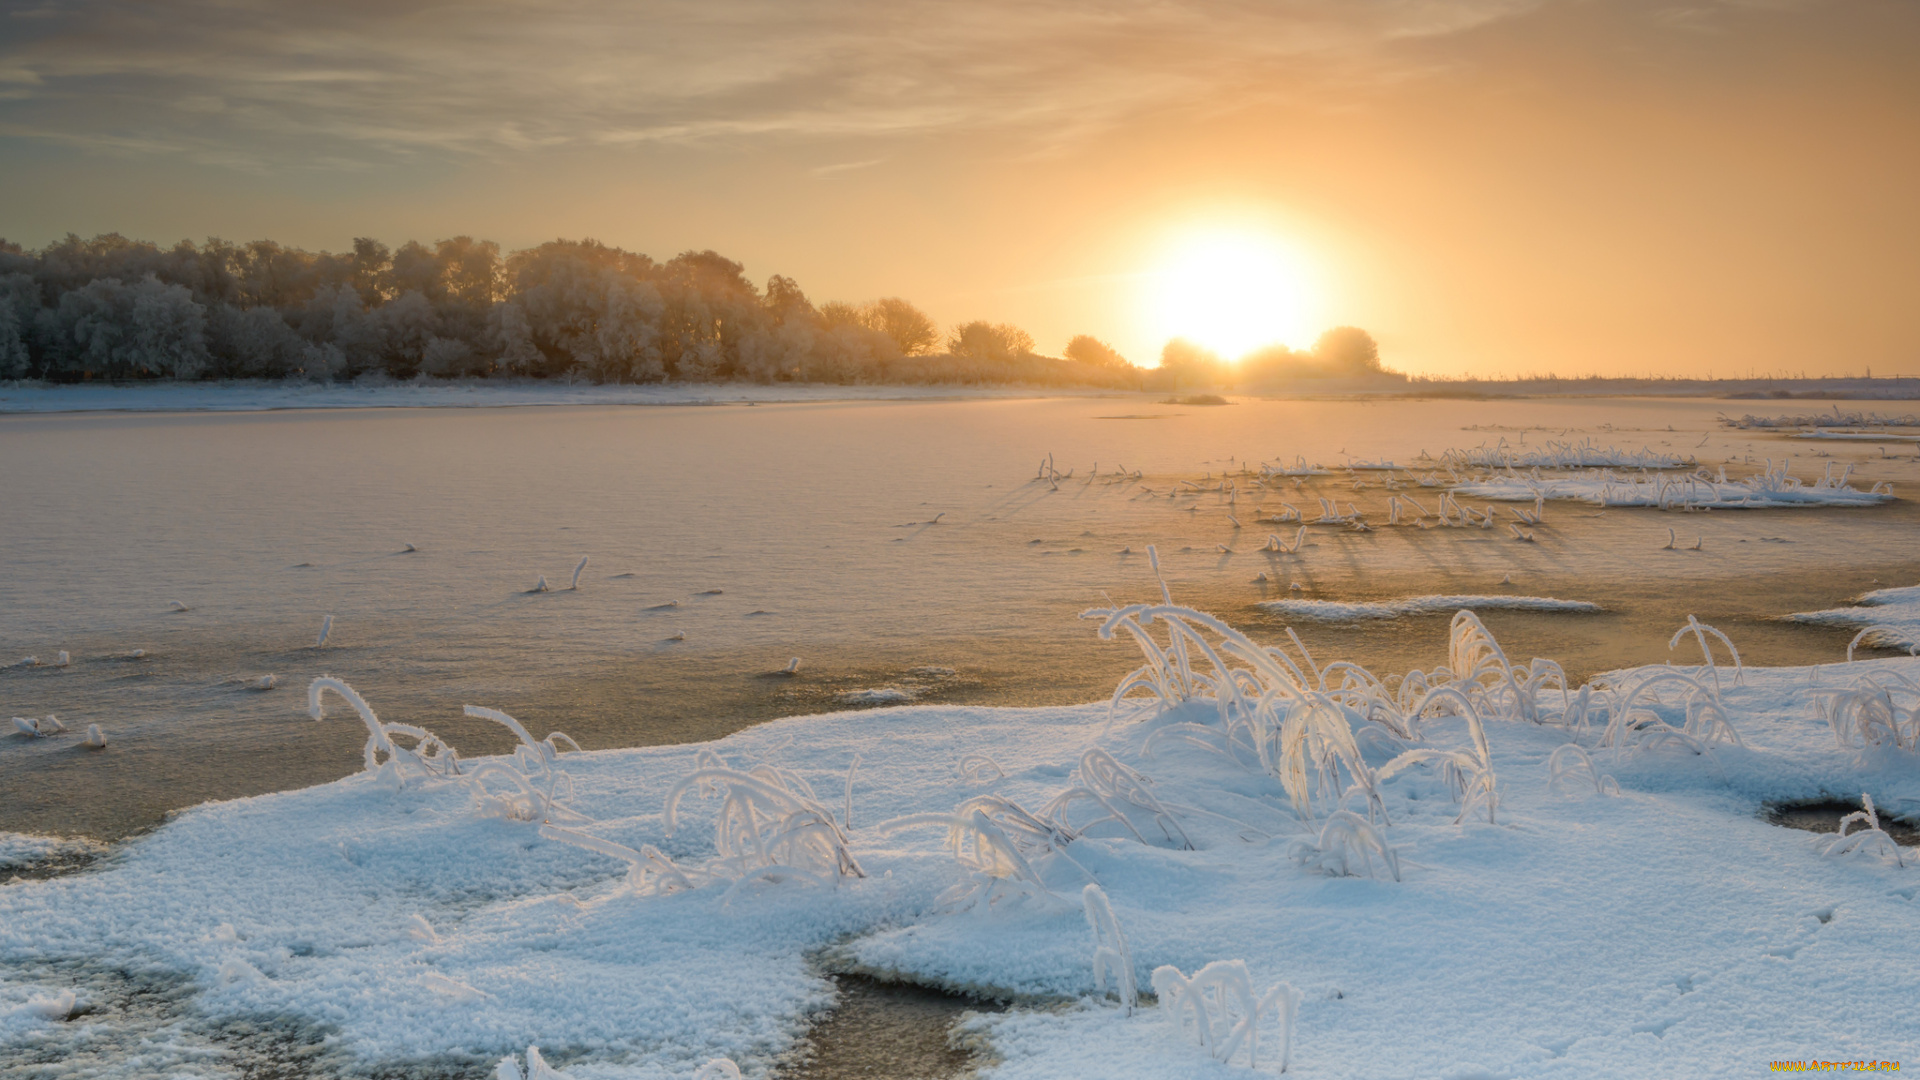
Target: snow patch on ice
column 1891, row 617
column 1350, row 610
column 879, row 695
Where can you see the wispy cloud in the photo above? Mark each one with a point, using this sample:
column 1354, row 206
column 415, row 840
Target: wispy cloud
column 298, row 82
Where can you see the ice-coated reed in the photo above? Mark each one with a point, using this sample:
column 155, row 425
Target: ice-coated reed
column 1346, row 847
column 1870, row 837
column 769, row 820
column 537, row 1068
column 1218, row 1008
column 1570, row 762
column 1111, row 957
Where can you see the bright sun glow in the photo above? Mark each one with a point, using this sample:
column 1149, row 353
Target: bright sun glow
column 1233, row 292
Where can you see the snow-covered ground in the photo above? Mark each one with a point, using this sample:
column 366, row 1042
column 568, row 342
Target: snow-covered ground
column 260, row 395
column 1891, row 617
column 396, row 918
column 1349, row 610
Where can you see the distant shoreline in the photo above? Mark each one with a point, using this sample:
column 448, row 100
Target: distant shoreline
column 24, row 398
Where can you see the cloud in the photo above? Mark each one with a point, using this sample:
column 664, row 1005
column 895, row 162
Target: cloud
column 304, row 81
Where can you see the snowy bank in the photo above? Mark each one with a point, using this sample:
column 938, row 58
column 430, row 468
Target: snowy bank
column 1420, row 863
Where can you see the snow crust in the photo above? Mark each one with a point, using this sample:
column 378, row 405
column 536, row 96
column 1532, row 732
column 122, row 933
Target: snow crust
column 1351, row 610
column 1893, row 616
column 1664, row 931
column 24, row 849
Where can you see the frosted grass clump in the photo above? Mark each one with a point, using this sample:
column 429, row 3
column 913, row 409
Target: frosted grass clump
column 1636, row 722
column 1005, row 851
column 1467, row 773
column 1299, row 723
column 1110, row 953
column 1495, row 685
column 533, row 785
column 1848, row 843
column 1218, row 1009
column 1570, row 762
column 1300, row 735
column 1346, row 841
column 1869, row 716
column 770, row 825
column 1116, row 789
column 431, row 756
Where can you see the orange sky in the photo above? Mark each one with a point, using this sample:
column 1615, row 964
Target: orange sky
column 1490, row 186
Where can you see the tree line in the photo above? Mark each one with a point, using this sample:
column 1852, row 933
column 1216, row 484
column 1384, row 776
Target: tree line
column 118, row 309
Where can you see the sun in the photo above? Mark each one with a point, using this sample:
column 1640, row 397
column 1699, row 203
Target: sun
column 1232, row 291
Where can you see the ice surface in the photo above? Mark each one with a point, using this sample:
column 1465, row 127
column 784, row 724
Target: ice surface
column 1347, row 610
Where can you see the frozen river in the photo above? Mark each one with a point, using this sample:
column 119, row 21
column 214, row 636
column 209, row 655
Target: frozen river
column 900, row 549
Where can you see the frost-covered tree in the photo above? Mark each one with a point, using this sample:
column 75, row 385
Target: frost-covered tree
column 19, row 302
column 1348, row 349
column 111, row 329
column 1087, row 349
column 254, row 343
column 981, row 340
